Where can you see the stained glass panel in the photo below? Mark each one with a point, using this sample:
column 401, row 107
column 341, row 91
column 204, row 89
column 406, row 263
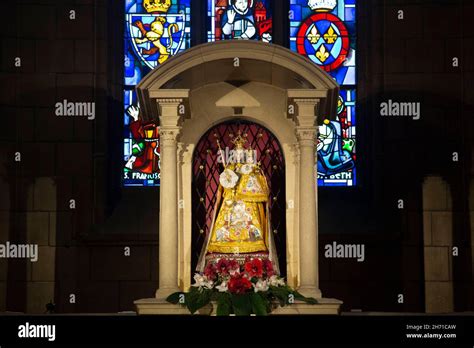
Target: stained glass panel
column 325, row 32
column 239, row 19
column 154, row 31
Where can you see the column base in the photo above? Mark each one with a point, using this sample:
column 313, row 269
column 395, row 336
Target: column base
column 163, row 293
column 310, row 292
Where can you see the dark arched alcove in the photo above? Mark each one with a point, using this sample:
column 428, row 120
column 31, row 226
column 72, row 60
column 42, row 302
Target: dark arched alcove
column 206, row 171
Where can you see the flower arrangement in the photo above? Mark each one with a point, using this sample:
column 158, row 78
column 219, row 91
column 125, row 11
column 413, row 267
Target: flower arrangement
column 251, row 288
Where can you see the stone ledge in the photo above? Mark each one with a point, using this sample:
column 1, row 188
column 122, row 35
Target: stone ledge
column 325, row 306
column 154, row 306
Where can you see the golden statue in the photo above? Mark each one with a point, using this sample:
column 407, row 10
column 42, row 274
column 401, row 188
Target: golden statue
column 241, row 224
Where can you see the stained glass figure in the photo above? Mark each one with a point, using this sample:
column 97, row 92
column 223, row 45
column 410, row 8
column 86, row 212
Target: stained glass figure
column 240, row 19
column 325, row 32
column 155, row 30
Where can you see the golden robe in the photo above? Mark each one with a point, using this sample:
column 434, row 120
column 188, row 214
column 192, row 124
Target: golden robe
column 241, row 225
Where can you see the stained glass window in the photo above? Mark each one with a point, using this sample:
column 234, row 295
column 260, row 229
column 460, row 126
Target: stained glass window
column 154, row 31
column 325, row 32
column 239, row 19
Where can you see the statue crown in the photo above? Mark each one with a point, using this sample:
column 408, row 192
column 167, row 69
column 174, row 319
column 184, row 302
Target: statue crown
column 157, row 5
column 239, row 141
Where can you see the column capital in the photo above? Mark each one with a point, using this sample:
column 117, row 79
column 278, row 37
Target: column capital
column 169, row 111
column 307, row 109
column 169, row 135
column 169, row 101
column 306, row 101
column 306, row 136
column 310, row 94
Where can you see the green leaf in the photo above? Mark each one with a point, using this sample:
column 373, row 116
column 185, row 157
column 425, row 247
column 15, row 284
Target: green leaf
column 224, row 304
column 300, row 297
column 174, row 297
column 241, row 304
column 281, row 294
column 195, row 300
column 259, row 304
column 190, row 301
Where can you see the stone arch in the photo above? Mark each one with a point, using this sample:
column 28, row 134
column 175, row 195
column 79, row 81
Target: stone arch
column 271, row 64
column 263, row 83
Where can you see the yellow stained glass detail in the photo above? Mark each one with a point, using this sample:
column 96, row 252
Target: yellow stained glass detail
column 322, row 54
column 330, row 36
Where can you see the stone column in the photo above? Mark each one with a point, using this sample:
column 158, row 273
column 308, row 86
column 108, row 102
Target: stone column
column 438, row 243
column 306, row 132
column 168, row 240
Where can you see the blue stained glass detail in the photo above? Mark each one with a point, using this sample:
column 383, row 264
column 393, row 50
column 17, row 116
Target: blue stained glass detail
column 141, row 140
column 337, row 140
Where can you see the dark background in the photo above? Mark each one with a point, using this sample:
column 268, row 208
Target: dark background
column 73, row 158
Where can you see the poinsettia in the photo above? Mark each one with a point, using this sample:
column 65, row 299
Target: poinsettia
column 222, row 267
column 239, row 284
column 253, row 287
column 233, row 267
column 254, row 268
column 268, row 267
column 211, row 271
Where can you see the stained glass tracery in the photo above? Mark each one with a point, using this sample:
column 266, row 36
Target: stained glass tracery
column 325, row 32
column 154, row 31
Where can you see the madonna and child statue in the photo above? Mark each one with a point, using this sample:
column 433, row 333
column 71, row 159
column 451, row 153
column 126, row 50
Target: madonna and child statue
column 241, row 223
column 237, row 270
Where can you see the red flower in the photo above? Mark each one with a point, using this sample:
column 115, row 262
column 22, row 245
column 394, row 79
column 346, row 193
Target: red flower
column 254, row 268
column 222, row 267
column 268, row 267
column 233, row 266
column 210, row 271
column 239, row 285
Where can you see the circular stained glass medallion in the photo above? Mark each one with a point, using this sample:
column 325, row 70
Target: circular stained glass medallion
column 324, row 39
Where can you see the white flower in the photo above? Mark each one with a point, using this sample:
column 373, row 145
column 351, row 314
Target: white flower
column 228, row 178
column 276, row 281
column 200, row 280
column 261, row 285
column 209, row 285
column 223, row 287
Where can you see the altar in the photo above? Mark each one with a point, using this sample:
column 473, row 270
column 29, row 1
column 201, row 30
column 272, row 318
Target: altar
column 214, row 91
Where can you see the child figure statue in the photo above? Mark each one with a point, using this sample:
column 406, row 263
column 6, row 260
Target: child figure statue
column 241, row 226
